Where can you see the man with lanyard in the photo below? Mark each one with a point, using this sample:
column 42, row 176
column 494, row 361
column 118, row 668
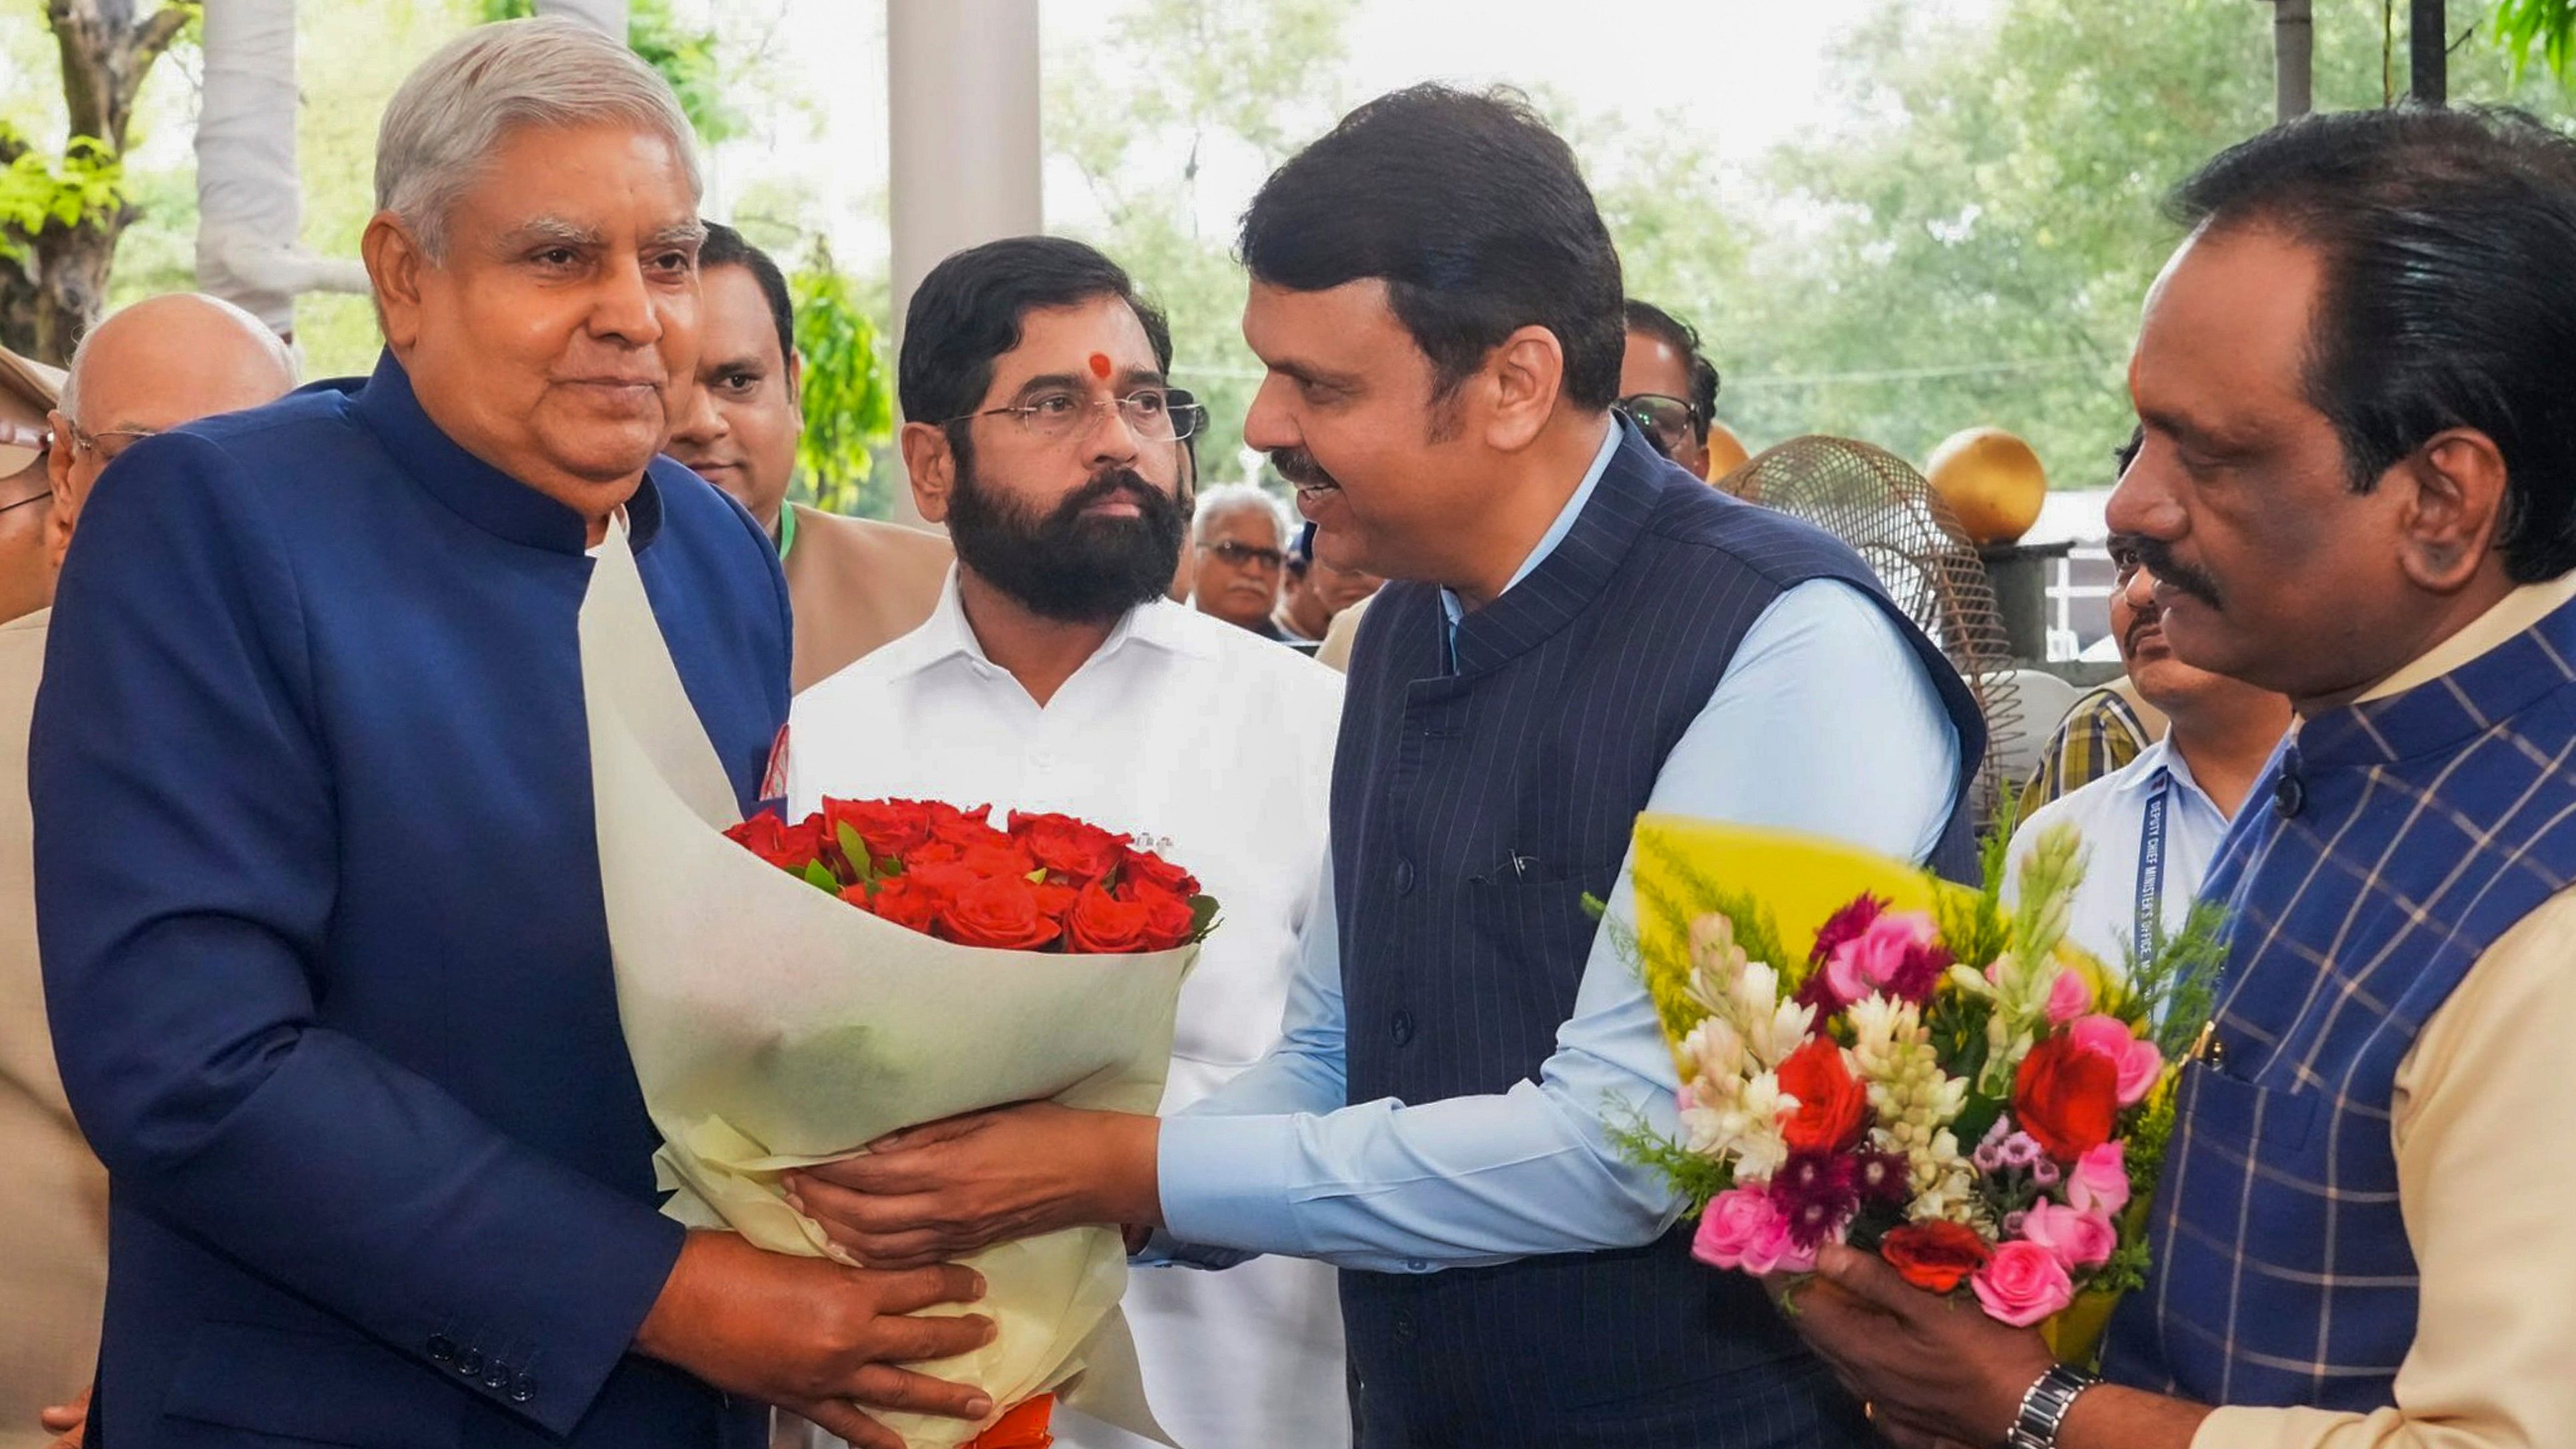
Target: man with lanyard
column 2154, row 824
column 1581, row 630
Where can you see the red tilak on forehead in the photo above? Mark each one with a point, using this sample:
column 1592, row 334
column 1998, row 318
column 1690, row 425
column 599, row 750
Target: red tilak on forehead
column 1100, row 365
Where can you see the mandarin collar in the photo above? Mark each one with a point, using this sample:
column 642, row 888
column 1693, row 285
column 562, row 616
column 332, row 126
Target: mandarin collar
column 479, row 493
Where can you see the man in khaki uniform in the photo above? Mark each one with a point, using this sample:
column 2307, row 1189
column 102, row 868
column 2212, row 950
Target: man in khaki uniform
column 155, row 365
column 854, row 583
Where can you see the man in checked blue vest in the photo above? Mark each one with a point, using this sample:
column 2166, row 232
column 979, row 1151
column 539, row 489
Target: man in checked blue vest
column 1586, row 631
column 2359, row 489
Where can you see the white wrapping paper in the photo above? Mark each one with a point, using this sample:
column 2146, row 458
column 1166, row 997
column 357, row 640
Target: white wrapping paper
column 774, row 1026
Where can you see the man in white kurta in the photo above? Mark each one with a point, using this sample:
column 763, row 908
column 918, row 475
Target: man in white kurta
column 1217, row 745
column 1055, row 676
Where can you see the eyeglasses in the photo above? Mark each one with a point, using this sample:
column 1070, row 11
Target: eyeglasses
column 1247, row 555
column 108, row 443
column 1670, row 421
column 42, row 496
column 1153, row 414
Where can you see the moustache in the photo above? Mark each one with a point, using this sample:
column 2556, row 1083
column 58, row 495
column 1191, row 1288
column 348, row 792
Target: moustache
column 1110, row 484
column 1300, row 468
column 2157, row 558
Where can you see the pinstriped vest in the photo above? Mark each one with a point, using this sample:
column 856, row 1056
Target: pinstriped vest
column 1471, row 814
column 2399, row 839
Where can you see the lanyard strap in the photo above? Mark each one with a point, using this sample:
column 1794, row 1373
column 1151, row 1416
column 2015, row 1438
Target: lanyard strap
column 2151, row 867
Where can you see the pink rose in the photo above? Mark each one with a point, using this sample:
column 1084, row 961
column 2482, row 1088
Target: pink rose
column 2135, row 1059
column 2079, row 1239
column 2100, row 1181
column 2069, row 997
column 1742, row 1230
column 2022, row 1284
column 1878, row 955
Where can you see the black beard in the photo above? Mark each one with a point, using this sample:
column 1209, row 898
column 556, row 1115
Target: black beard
column 1064, row 566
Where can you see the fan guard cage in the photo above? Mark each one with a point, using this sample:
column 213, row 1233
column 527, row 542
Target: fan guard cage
column 1878, row 504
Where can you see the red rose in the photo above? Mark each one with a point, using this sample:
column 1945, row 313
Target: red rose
column 900, row 900
column 1169, row 921
column 961, row 828
column 940, row 880
column 1103, row 925
column 998, row 856
column 888, row 827
column 1076, row 849
column 1001, row 913
column 789, row 847
column 1055, row 902
column 1144, row 867
column 937, row 852
column 2065, row 1096
column 1831, row 1105
column 1935, row 1256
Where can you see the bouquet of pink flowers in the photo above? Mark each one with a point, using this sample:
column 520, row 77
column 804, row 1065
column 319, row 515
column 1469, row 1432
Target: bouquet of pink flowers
column 1933, row 1074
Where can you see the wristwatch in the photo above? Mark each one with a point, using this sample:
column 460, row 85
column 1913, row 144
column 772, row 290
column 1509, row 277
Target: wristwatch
column 2044, row 1405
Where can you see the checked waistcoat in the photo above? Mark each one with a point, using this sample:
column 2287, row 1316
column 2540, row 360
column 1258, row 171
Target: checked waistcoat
column 2396, row 841
column 1472, row 812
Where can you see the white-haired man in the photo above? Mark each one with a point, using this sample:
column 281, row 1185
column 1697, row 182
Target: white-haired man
column 316, row 862
column 1240, row 536
column 158, row 364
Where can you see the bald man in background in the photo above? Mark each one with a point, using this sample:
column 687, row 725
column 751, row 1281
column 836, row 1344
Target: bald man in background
column 156, row 365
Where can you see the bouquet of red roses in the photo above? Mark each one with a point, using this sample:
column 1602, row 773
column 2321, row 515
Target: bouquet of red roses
column 1044, row 883
column 1928, row 1072
column 772, row 1026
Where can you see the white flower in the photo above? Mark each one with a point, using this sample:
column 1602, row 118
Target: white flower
column 1745, row 994
column 1739, row 1121
column 1714, row 1050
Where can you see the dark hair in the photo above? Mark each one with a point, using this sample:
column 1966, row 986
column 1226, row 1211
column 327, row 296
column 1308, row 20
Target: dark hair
column 725, row 247
column 1471, row 211
column 2448, row 297
column 1683, row 338
column 969, row 310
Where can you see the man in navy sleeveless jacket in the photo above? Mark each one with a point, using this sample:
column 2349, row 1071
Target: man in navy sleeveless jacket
column 1589, row 631
column 316, row 877
column 2358, row 488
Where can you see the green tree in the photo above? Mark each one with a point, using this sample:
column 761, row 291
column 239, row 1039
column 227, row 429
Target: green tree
column 686, row 58
column 848, row 399
column 1172, row 88
column 61, row 215
column 2543, row 27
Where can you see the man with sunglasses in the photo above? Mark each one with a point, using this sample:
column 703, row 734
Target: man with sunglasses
column 158, row 364
column 1054, row 675
column 1667, row 385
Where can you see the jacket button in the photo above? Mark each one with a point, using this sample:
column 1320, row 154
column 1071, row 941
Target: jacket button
column 523, row 1390
column 497, row 1377
column 470, row 1362
column 442, row 1349
column 1404, row 877
column 1401, row 1028
column 2288, row 795
column 1405, row 1328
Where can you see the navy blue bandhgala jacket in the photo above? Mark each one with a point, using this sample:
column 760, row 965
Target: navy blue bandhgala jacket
column 324, row 952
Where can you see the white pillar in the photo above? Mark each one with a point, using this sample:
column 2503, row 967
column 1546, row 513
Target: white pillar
column 608, row 15
column 250, row 202
column 962, row 86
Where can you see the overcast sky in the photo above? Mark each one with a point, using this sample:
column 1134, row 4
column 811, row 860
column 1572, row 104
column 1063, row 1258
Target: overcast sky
column 1748, row 72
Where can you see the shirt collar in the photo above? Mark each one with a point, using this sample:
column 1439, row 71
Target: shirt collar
column 947, row 636
column 2511, row 616
column 1556, row 531
column 478, row 492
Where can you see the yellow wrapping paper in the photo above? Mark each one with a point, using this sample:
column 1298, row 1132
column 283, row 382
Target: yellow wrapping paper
column 773, row 1026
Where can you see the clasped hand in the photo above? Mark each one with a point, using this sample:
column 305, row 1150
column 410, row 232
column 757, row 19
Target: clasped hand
column 941, row 1191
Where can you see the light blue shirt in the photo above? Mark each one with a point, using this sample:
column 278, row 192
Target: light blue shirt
column 1826, row 722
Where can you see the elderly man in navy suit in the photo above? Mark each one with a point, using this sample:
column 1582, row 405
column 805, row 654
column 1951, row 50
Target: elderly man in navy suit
column 316, row 873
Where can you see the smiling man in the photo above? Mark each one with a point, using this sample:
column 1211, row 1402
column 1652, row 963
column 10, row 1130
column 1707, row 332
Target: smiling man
column 856, row 583
column 2358, row 489
column 316, row 865
column 2154, row 824
column 1582, row 631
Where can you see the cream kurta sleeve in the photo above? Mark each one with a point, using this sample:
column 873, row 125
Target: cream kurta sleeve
column 2485, row 1174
